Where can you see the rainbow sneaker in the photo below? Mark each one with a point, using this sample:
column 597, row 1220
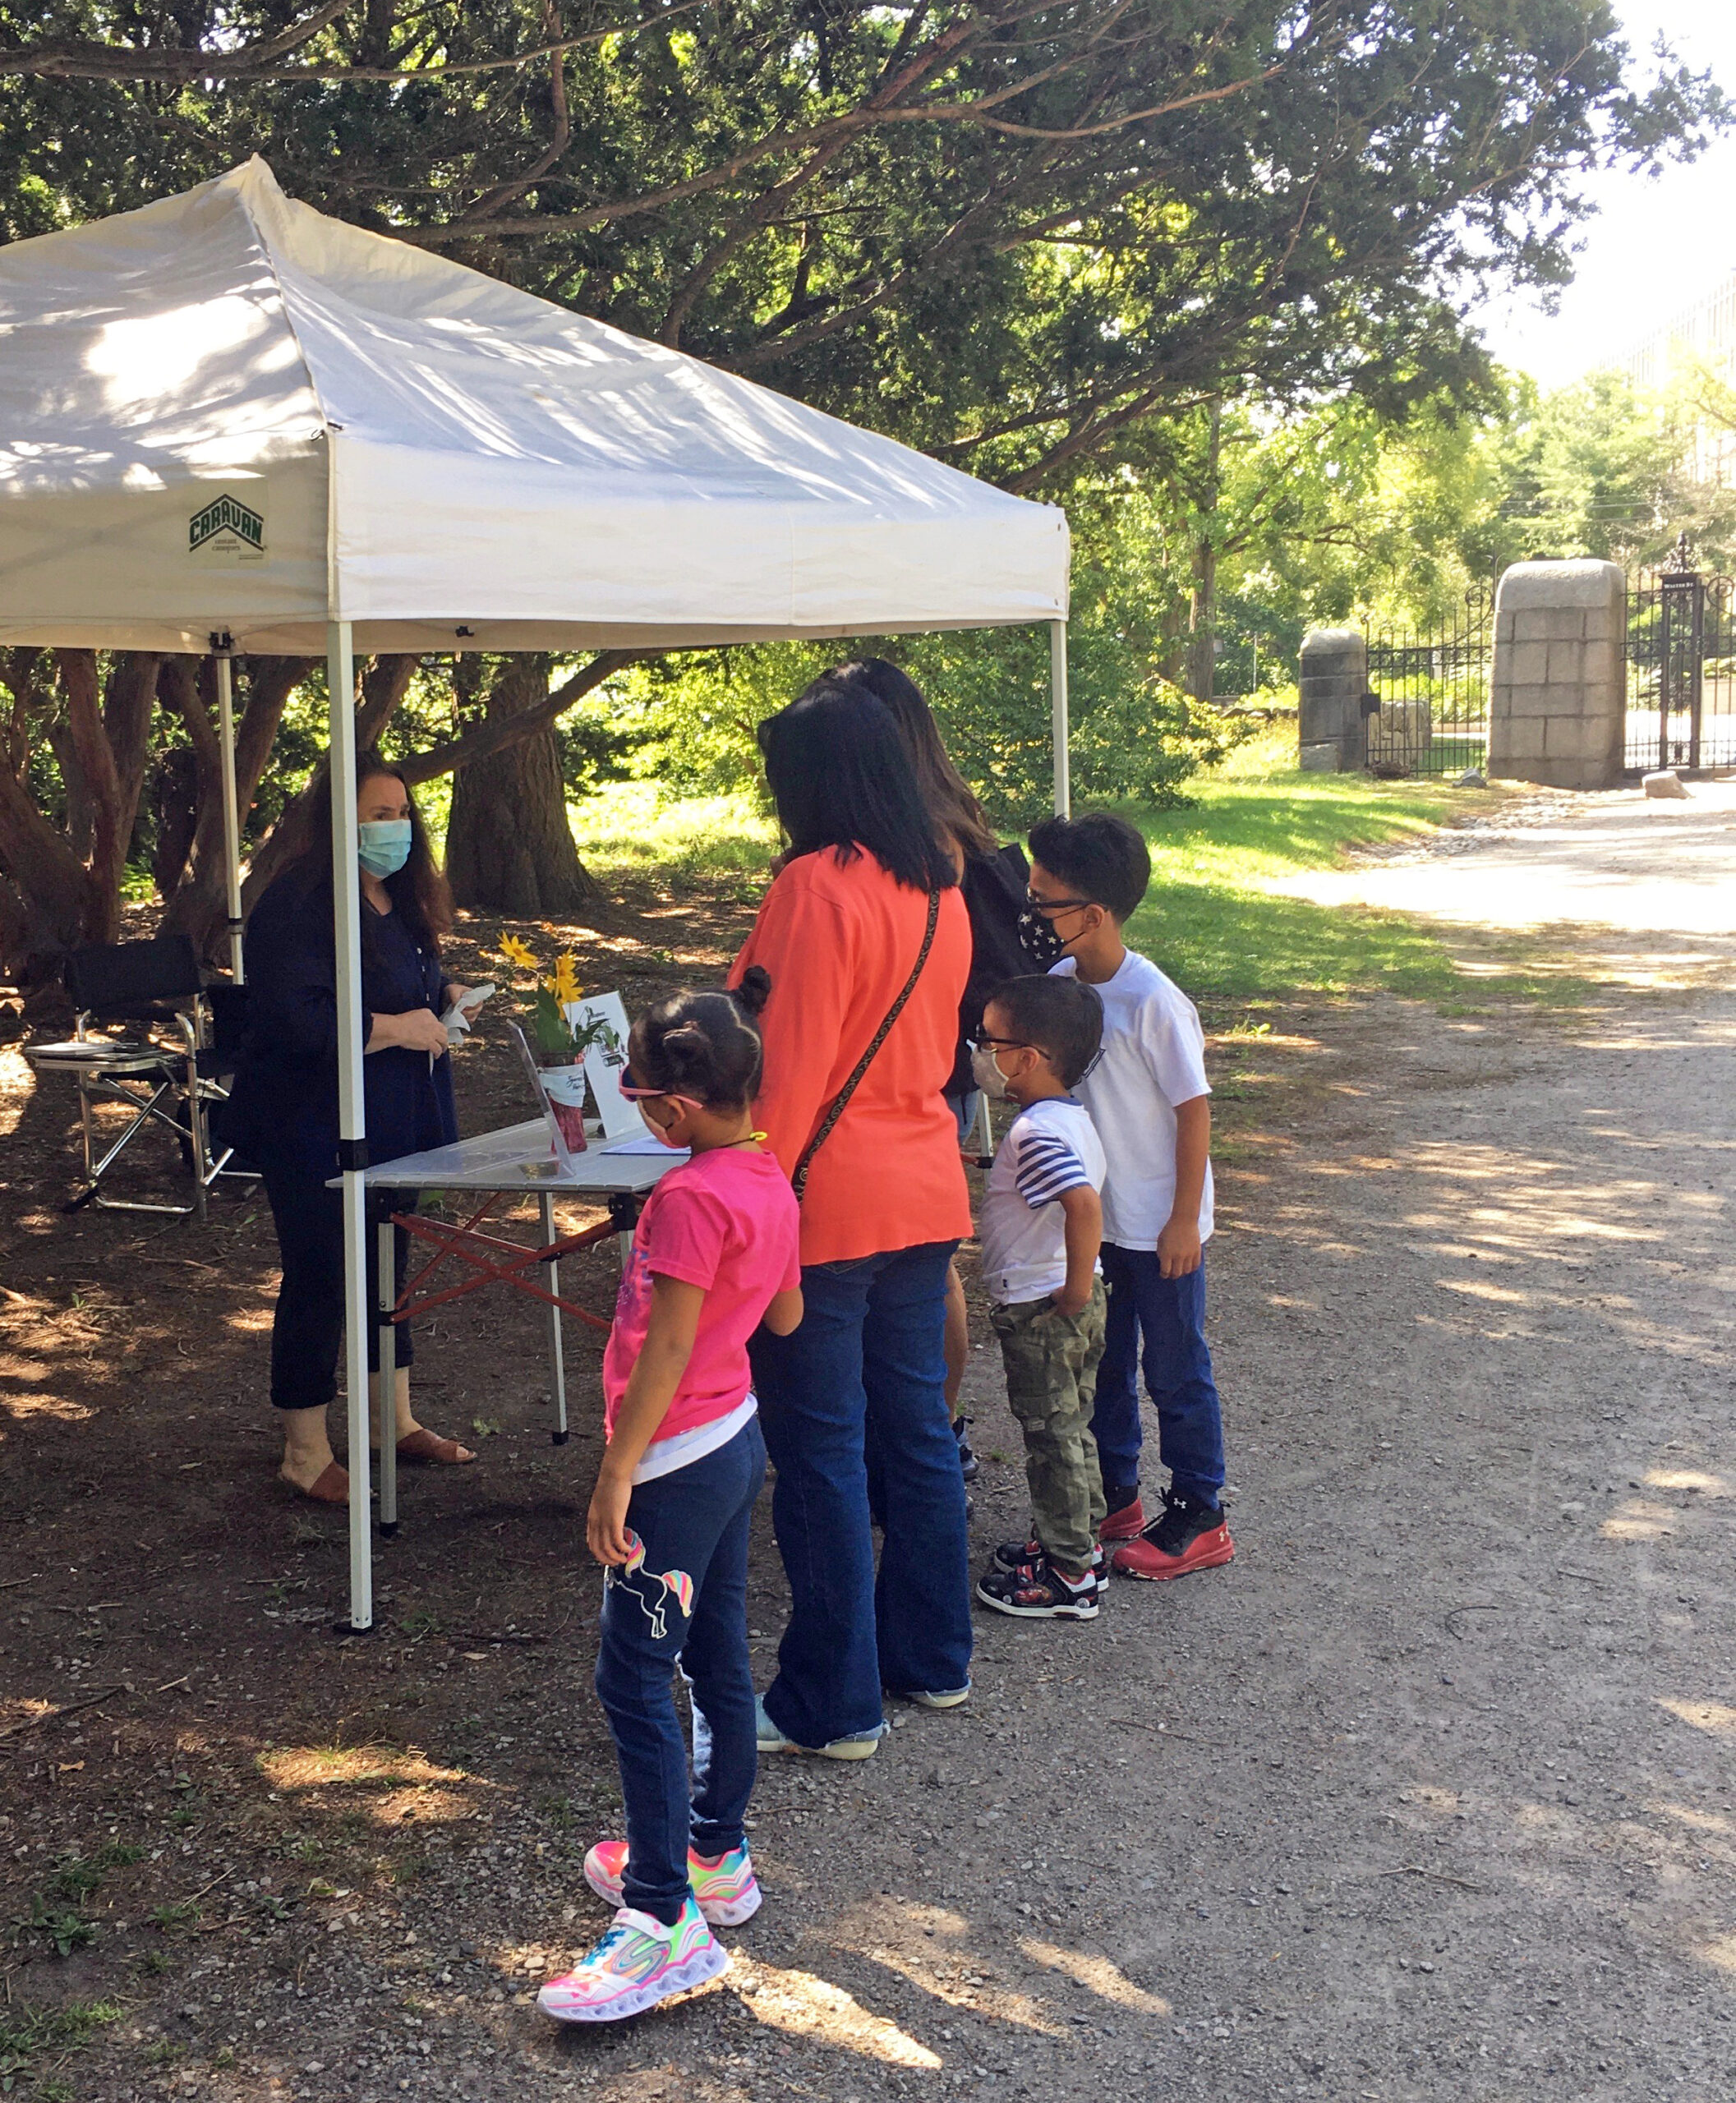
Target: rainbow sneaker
column 638, row 1963
column 725, row 1887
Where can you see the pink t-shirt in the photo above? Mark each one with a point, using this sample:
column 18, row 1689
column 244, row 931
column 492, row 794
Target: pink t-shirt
column 726, row 1220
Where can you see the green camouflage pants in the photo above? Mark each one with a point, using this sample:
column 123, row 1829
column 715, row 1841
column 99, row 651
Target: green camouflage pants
column 1051, row 1361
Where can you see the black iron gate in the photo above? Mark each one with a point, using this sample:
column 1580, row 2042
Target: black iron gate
column 1432, row 686
column 1681, row 668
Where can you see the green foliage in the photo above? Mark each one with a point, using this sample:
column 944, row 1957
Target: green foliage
column 1005, row 234
column 55, row 1913
column 687, row 721
column 63, row 1928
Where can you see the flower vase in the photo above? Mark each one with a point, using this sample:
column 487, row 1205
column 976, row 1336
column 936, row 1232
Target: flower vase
column 564, row 1085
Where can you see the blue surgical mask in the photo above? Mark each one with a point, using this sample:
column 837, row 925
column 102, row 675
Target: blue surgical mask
column 385, row 845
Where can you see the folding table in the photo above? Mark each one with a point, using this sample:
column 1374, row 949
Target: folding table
column 517, row 1162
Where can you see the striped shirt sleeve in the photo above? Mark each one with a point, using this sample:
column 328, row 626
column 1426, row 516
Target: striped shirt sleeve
column 1047, row 1168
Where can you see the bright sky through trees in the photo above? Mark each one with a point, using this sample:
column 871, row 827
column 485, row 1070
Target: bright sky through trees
column 1657, row 246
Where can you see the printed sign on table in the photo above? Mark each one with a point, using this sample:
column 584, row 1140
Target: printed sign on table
column 605, row 1062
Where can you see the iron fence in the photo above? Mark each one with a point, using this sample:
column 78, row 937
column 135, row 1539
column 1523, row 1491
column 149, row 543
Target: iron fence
column 1681, row 668
column 1432, row 688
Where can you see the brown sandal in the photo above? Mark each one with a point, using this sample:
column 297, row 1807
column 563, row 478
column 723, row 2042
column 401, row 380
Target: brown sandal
column 424, row 1445
column 330, row 1486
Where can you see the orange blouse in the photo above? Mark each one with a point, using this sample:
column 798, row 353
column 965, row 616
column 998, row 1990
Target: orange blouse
column 839, row 939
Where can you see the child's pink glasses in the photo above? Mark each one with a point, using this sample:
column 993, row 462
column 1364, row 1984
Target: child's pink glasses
column 634, row 1094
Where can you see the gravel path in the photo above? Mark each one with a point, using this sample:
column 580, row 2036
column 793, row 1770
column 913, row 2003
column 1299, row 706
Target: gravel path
column 1619, row 862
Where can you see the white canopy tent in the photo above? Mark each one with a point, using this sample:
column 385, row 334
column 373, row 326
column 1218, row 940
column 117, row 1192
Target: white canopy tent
column 228, row 421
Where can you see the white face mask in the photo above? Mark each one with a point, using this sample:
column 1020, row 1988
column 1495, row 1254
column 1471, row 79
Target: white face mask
column 985, row 1070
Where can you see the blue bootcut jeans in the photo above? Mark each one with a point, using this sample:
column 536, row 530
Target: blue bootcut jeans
column 856, row 1392
column 694, row 1526
column 1168, row 1314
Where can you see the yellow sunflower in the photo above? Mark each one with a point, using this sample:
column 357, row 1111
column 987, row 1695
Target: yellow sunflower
column 564, row 984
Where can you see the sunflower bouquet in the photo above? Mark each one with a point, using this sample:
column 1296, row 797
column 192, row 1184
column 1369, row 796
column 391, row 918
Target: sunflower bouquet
column 554, row 1014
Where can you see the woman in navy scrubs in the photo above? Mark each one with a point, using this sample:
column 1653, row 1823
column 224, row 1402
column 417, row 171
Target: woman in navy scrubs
column 283, row 1114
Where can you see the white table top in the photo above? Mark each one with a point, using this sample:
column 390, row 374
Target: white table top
column 521, row 1157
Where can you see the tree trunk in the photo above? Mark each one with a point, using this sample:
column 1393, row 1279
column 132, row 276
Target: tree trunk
column 380, row 693
column 53, row 901
column 509, row 846
column 199, row 906
column 131, row 696
column 175, row 805
column 1201, row 624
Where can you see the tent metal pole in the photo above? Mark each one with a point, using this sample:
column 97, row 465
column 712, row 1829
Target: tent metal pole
column 221, row 650
column 340, row 678
column 1058, row 717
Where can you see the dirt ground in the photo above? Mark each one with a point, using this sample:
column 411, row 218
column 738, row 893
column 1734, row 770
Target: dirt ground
column 1431, row 1794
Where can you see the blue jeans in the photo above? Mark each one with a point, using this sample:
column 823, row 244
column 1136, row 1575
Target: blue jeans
column 692, row 1523
column 858, row 1386
column 964, row 1108
column 1169, row 1313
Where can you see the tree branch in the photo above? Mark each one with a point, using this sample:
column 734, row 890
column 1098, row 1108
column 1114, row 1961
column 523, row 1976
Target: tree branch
column 102, row 782
column 81, row 60
column 496, row 735
column 503, row 193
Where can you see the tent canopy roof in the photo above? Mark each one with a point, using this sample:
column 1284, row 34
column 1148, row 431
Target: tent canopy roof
column 230, row 411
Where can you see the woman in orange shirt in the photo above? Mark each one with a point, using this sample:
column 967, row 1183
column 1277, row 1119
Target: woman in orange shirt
column 865, row 889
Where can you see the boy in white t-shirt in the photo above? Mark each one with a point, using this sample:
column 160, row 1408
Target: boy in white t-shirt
column 1149, row 1100
column 1040, row 1224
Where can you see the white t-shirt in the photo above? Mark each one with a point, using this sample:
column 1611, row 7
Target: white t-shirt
column 1154, row 1058
column 1048, row 1149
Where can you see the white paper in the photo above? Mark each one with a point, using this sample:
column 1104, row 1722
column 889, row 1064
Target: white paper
column 645, row 1144
column 462, row 1013
column 605, row 1063
column 531, row 1067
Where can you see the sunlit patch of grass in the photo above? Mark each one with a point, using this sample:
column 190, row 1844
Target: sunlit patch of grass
column 318, row 1766
column 395, row 1784
column 630, row 828
column 1210, row 918
column 1211, row 921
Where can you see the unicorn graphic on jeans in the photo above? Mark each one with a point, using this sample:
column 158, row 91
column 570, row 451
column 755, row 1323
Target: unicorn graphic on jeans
column 672, row 1585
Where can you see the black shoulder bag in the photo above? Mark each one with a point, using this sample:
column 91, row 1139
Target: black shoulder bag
column 841, row 1101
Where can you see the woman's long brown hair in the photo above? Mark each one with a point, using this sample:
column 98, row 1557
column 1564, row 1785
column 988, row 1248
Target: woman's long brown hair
column 418, row 890
column 952, row 807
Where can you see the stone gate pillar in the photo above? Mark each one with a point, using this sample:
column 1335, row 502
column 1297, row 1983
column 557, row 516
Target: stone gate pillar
column 1329, row 717
column 1559, row 698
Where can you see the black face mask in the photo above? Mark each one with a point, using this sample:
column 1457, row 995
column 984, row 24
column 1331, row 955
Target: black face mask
column 1039, row 940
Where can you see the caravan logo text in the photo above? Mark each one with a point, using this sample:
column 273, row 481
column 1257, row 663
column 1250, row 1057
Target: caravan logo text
column 225, row 516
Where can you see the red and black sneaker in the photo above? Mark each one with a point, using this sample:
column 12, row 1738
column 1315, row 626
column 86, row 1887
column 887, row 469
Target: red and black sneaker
column 1190, row 1535
column 1026, row 1555
column 1038, row 1592
column 1125, row 1519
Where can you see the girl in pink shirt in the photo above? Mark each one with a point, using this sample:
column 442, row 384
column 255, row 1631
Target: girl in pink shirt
column 715, row 1255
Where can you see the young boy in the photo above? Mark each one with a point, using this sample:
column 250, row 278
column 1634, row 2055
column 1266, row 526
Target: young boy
column 1147, row 1096
column 1040, row 1223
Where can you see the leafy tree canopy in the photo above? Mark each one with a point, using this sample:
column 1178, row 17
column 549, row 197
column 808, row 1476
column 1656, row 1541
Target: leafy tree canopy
column 1007, row 232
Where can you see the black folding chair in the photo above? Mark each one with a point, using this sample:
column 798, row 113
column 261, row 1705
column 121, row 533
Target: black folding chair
column 156, row 986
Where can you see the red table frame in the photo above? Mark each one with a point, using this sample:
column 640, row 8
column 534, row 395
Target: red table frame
column 465, row 1244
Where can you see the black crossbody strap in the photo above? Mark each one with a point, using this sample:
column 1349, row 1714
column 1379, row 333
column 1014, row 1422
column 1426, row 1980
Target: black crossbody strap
column 841, row 1101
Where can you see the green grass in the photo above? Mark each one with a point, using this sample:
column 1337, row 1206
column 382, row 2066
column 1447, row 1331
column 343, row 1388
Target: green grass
column 1219, row 932
column 1210, row 919
column 28, row 2034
